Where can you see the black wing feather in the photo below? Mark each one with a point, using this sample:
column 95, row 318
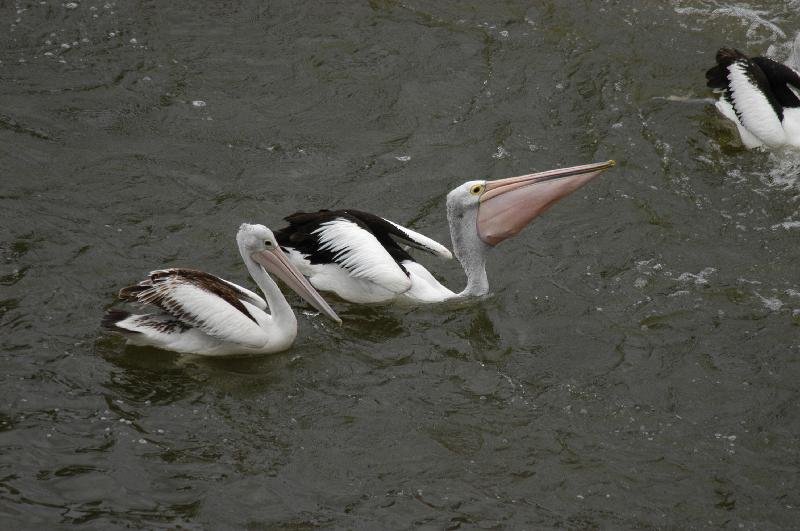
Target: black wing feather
column 302, row 225
column 770, row 77
column 780, row 77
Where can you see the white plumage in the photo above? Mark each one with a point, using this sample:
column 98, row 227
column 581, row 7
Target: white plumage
column 424, row 287
column 248, row 296
column 360, row 253
column 749, row 140
column 208, row 312
column 757, row 115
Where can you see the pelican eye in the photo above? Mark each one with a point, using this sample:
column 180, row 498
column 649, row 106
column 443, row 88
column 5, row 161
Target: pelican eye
column 476, row 189
column 267, row 243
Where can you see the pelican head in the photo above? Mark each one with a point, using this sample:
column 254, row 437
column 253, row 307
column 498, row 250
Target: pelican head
column 506, row 206
column 258, row 243
column 484, row 213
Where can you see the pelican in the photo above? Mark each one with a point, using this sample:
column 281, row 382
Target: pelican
column 760, row 96
column 204, row 314
column 361, row 257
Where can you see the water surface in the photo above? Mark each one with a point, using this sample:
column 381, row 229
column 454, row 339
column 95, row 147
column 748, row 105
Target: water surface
column 635, row 366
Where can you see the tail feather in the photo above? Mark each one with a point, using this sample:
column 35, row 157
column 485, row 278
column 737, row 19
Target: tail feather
column 132, row 293
column 112, row 318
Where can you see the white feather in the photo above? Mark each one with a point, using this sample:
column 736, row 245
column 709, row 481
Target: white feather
column 149, row 333
column 360, row 253
column 423, row 242
column 209, row 313
column 791, row 124
column 757, row 115
column 424, row 287
column 748, row 139
column 335, row 278
column 248, row 295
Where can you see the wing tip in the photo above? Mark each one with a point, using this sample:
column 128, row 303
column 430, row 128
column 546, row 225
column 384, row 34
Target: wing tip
column 422, row 242
column 131, row 293
column 444, row 253
column 134, row 293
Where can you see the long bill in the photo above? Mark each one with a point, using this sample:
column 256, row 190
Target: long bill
column 508, row 205
column 276, row 262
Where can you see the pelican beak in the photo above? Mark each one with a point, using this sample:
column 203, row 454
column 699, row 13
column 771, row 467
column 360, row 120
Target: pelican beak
column 276, row 262
column 508, row 205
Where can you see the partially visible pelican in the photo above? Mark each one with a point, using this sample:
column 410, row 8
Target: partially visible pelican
column 760, row 96
column 361, row 256
column 204, row 314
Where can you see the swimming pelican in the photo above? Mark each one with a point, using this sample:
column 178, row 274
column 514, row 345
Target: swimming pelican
column 760, row 96
column 360, row 256
column 204, row 314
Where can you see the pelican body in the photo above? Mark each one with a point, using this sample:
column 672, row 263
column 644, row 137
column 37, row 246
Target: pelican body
column 362, row 257
column 204, row 314
column 760, row 96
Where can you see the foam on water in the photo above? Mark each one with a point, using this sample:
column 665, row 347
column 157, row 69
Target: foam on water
column 698, row 279
column 757, row 21
column 771, row 303
column 787, row 225
column 794, row 55
column 784, row 169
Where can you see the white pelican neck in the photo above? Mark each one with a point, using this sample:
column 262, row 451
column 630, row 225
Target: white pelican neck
column 281, row 312
column 469, row 250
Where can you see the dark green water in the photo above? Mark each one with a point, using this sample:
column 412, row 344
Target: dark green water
column 636, row 366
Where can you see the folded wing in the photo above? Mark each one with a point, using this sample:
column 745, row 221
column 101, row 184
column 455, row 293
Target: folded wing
column 402, row 234
column 364, row 245
column 215, row 306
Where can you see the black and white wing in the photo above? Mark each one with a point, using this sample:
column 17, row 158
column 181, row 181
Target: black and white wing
column 199, row 300
column 388, row 231
column 757, row 89
column 783, row 80
column 364, row 245
column 336, row 240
